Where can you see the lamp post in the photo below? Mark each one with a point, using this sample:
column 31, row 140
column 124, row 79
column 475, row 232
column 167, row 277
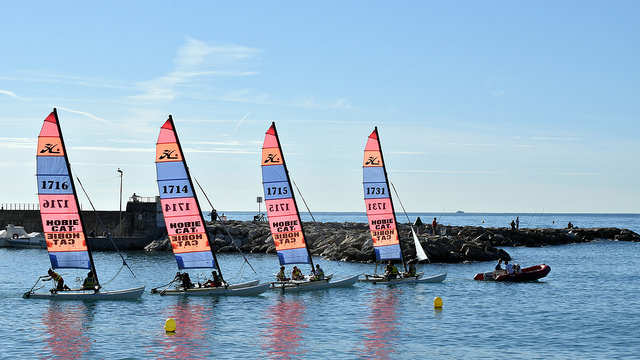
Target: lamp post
column 120, row 212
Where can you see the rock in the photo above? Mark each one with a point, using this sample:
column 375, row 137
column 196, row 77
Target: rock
column 350, row 241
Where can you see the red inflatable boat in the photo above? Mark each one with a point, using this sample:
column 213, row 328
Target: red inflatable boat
column 527, row 274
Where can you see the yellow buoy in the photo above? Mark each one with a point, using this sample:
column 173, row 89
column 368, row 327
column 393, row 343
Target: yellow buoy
column 170, row 325
column 437, row 302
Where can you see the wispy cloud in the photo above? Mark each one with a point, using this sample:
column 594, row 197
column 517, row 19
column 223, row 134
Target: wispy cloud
column 17, row 143
column 447, row 172
column 485, row 145
column 11, row 93
column 113, row 149
column 84, row 113
column 195, row 60
column 550, row 138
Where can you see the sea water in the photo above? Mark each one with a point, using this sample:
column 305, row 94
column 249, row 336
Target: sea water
column 587, row 307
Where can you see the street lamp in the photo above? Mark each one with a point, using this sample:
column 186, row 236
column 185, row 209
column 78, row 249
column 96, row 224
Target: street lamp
column 120, row 212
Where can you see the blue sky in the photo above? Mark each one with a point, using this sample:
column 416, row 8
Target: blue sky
column 482, row 106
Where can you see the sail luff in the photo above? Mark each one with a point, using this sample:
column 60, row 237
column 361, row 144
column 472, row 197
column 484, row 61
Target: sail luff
column 382, row 220
column 185, row 224
column 282, row 209
column 62, row 221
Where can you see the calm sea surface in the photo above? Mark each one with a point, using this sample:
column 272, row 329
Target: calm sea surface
column 587, row 307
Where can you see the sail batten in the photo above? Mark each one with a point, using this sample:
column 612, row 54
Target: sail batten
column 378, row 203
column 59, row 211
column 185, row 225
column 282, row 211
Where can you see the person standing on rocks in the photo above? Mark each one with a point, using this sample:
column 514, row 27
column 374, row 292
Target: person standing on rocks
column 434, row 226
column 517, row 223
column 513, row 225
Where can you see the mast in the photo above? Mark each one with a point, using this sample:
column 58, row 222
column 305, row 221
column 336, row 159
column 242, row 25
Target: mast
column 393, row 210
column 75, row 196
column 184, row 161
column 295, row 203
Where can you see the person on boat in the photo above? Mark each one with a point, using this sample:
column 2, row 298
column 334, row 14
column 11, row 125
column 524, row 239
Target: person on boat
column 215, row 280
column 434, row 226
column 89, row 282
column 281, row 276
column 185, row 279
column 498, row 270
column 508, row 267
column 391, row 271
column 57, row 279
column 296, row 274
column 411, row 272
column 318, row 273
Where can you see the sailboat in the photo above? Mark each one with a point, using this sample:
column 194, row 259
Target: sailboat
column 382, row 218
column 63, row 225
column 284, row 219
column 185, row 224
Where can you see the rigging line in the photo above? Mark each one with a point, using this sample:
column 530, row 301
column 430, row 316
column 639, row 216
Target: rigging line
column 315, row 222
column 124, row 262
column 225, row 227
column 407, row 215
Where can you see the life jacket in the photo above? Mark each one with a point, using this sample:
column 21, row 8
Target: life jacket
column 319, row 274
column 89, row 283
column 394, row 270
column 412, row 270
column 280, row 275
column 296, row 273
column 55, row 276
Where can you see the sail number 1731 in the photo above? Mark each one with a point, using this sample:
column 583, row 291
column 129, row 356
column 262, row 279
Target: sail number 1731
column 376, row 206
column 374, row 190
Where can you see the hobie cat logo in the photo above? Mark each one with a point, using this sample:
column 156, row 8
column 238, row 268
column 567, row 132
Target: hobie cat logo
column 168, row 154
column 272, row 158
column 50, row 149
column 373, row 160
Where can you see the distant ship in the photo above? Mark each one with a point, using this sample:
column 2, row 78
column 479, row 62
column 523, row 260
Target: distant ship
column 459, row 212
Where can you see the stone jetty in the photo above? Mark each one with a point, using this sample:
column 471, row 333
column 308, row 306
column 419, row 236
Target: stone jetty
column 351, row 241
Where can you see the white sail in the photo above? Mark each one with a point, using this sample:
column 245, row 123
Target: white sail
column 419, row 250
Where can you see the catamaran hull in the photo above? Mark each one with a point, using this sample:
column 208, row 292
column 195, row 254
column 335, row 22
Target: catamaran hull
column 127, row 294
column 298, row 286
column 375, row 279
column 249, row 288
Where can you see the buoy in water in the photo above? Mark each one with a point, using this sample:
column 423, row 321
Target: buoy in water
column 437, row 302
column 170, row 325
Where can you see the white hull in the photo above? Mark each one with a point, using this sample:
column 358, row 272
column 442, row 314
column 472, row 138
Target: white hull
column 249, row 288
column 305, row 285
column 127, row 294
column 414, row 279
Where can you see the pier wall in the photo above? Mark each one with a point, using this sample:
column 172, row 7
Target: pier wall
column 139, row 220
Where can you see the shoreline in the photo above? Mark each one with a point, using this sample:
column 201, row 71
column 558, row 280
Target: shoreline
column 351, row 241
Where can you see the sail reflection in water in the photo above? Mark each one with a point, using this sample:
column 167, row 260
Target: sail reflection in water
column 382, row 324
column 195, row 329
column 66, row 326
column 284, row 330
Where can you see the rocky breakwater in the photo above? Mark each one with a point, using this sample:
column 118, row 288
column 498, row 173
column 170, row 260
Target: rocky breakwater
column 352, row 242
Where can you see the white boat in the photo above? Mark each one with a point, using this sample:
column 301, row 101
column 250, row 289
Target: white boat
column 284, row 220
column 16, row 236
column 249, row 288
column 418, row 278
column 62, row 222
column 382, row 218
column 308, row 284
column 79, row 294
column 185, row 225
